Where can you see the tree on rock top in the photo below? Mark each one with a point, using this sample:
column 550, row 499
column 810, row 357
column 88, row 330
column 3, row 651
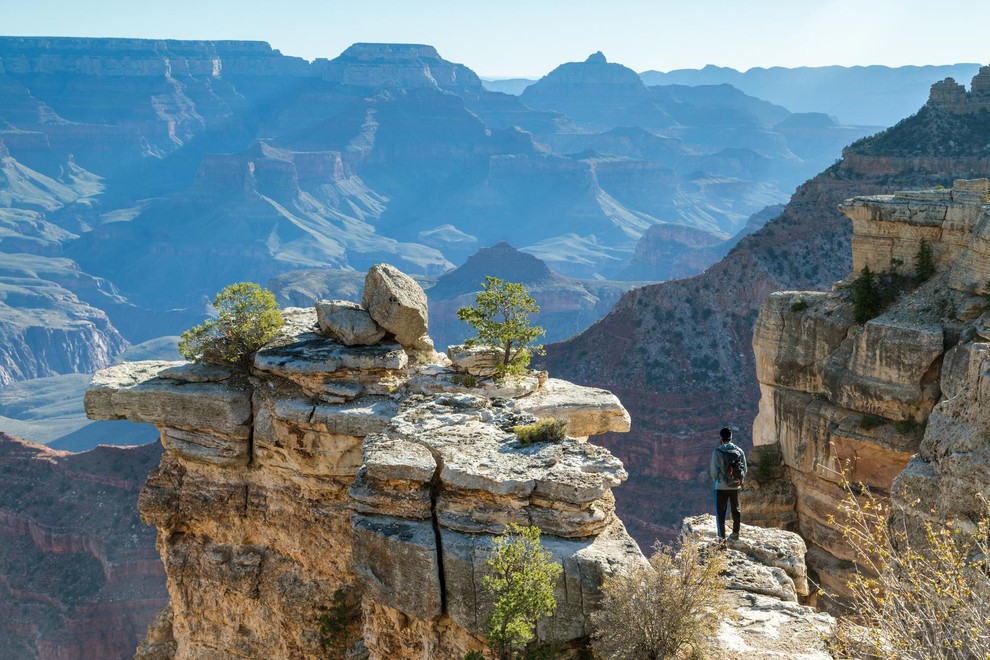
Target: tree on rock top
column 247, row 318
column 500, row 316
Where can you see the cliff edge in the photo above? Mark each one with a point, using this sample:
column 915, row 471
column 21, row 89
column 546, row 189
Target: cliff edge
column 893, row 402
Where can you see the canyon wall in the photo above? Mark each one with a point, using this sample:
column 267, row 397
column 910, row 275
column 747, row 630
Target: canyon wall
column 79, row 576
column 863, row 399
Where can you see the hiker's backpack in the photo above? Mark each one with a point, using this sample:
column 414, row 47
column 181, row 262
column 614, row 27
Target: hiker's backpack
column 732, row 466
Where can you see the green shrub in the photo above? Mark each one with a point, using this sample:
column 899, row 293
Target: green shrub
column 545, row 430
column 924, row 262
column 799, row 305
column 519, row 577
column 465, row 380
column 871, row 422
column 247, row 318
column 766, row 464
column 670, row 609
column 865, row 296
column 500, row 316
column 338, row 625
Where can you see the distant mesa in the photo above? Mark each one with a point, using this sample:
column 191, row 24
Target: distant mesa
column 596, row 58
column 405, row 66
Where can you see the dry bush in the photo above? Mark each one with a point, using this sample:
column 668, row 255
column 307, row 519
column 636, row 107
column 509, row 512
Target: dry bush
column 917, row 593
column 545, row 430
column 671, row 609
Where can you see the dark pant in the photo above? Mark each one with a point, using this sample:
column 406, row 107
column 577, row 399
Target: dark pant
column 723, row 497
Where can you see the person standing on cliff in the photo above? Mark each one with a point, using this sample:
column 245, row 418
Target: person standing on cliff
column 727, row 469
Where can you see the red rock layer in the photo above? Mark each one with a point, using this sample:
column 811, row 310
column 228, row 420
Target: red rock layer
column 79, row 573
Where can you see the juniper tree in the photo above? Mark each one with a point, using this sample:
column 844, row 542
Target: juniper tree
column 247, row 318
column 500, row 316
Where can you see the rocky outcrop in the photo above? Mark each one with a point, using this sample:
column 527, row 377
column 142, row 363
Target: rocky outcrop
column 356, row 468
column 79, row 575
column 953, row 97
column 766, row 578
column 842, row 398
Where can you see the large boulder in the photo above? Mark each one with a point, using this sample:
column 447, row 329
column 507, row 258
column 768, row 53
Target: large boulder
column 348, row 323
column 397, row 304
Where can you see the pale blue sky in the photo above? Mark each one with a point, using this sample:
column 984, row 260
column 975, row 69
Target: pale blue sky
column 530, row 37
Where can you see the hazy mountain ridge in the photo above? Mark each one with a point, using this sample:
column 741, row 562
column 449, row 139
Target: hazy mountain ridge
column 873, row 95
column 199, row 163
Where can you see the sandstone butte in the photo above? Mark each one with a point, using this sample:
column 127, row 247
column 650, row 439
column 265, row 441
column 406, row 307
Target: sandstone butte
column 899, row 402
column 375, row 469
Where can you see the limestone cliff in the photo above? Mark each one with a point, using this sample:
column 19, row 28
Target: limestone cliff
column 367, row 468
column 901, row 390
column 383, row 469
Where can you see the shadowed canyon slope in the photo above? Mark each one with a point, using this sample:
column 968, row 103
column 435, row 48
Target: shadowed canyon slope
column 137, row 177
column 680, row 353
column 79, row 575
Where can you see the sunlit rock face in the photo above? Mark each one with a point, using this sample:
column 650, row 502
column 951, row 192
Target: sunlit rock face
column 371, row 468
column 893, row 403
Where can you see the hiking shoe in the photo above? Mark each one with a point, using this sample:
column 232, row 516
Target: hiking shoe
column 733, row 537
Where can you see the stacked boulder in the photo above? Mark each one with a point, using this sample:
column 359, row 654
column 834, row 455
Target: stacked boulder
column 353, row 456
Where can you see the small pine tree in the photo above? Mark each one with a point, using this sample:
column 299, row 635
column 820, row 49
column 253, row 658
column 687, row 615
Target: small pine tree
column 520, row 578
column 500, row 317
column 338, row 624
column 924, row 262
column 247, row 318
column 865, row 296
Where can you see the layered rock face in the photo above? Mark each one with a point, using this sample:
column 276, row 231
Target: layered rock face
column 950, row 95
column 841, row 397
column 79, row 575
column 371, row 468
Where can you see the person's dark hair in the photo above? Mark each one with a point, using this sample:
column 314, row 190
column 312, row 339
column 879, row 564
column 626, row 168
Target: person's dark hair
column 726, row 434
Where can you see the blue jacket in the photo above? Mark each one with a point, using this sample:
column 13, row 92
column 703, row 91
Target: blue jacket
column 715, row 468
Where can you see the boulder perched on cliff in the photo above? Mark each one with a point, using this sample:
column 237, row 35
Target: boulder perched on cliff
column 398, row 304
column 348, row 323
